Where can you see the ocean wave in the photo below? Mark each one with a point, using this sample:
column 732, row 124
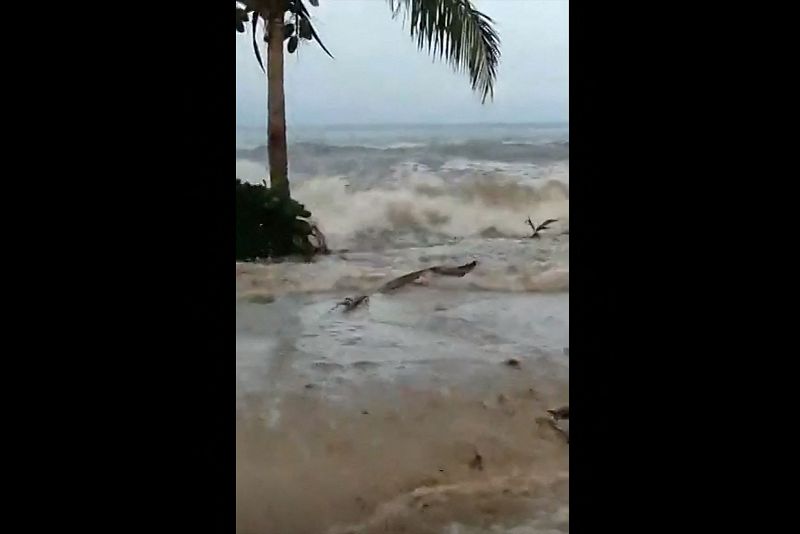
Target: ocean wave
column 412, row 217
column 425, row 209
column 428, row 153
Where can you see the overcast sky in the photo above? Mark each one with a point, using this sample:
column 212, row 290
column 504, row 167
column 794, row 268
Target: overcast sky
column 379, row 76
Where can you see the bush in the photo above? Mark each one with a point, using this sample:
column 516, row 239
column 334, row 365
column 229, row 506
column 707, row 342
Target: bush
column 268, row 225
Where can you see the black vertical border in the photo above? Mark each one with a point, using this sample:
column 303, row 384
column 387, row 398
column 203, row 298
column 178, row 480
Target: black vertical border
column 655, row 317
column 209, row 115
column 177, row 89
column 620, row 281
column 128, row 173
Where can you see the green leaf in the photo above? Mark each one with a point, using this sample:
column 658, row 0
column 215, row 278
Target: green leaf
column 288, row 30
column 292, row 44
column 455, row 31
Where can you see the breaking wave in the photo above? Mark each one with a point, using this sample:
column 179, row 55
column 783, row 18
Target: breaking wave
column 426, row 210
column 397, row 203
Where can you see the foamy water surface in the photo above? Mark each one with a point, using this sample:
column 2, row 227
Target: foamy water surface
column 372, row 420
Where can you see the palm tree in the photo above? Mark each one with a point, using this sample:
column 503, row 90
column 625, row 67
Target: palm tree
column 451, row 30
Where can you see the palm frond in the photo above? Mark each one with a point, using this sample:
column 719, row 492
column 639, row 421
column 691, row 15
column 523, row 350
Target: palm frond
column 304, row 14
column 255, row 41
column 455, row 31
column 546, row 224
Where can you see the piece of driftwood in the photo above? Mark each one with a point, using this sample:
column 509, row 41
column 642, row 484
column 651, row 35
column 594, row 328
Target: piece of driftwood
column 442, row 270
column 400, row 281
column 537, row 229
column 351, row 303
column 559, row 413
column 459, row 271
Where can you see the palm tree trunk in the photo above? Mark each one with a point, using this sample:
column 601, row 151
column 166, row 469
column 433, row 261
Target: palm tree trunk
column 276, row 124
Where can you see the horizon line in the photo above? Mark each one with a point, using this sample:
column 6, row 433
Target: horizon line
column 414, row 124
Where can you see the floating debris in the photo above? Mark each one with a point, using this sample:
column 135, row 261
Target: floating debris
column 512, row 362
column 537, row 229
column 351, row 303
column 443, row 270
column 400, row 281
column 459, row 271
column 476, row 462
column 261, row 299
column 553, row 424
column 559, row 413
